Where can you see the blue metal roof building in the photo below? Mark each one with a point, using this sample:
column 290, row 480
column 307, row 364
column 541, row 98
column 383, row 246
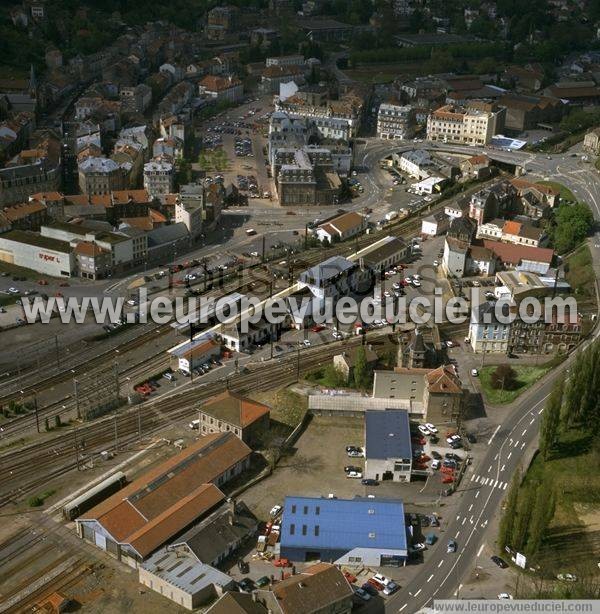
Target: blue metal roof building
column 358, row 531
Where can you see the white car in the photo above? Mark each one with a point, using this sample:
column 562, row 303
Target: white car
column 423, row 429
column 356, row 453
column 431, row 428
column 381, row 579
column 416, row 283
column 307, row 342
column 505, row 596
column 416, row 277
column 419, row 547
column 275, row 511
column 354, row 474
column 386, row 293
column 453, row 439
column 436, row 263
column 13, row 290
column 567, row 577
column 408, row 279
column 449, row 344
column 390, row 588
column 474, row 372
column 435, row 464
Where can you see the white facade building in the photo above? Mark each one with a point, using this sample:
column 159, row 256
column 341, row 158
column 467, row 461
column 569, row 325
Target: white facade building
column 395, row 121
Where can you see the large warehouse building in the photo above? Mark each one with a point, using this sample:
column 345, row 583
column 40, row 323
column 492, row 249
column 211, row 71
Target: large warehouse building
column 360, row 531
column 32, row 251
column 167, row 500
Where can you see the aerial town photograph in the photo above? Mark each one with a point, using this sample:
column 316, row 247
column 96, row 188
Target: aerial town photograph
column 299, row 306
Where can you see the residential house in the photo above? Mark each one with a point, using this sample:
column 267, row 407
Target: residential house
column 435, row 224
column 229, row 89
column 591, row 141
column 230, row 412
column 342, row 227
column 346, row 361
column 476, row 167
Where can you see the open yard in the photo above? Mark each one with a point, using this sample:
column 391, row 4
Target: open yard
column 213, row 160
column 580, row 272
column 526, row 377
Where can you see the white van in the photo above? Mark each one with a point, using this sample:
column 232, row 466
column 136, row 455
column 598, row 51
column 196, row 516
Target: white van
column 194, row 425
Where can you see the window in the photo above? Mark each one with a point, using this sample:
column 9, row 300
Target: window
column 292, row 529
column 317, row 510
column 305, row 509
column 304, row 529
column 316, row 530
column 293, row 509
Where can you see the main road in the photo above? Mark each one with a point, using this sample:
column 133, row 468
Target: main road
column 484, row 485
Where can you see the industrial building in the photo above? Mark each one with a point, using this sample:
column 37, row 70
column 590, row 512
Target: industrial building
column 164, row 502
column 388, row 449
column 30, row 250
column 360, row 531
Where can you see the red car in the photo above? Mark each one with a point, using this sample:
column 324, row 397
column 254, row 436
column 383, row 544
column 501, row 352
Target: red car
column 351, row 579
column 448, row 480
column 419, row 440
column 317, row 328
column 448, row 470
column 375, row 584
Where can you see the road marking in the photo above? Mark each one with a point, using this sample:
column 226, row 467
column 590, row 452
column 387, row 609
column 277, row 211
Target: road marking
column 493, row 434
column 511, row 442
column 516, row 444
column 471, row 520
column 464, row 520
column 470, row 507
column 523, row 445
column 402, row 608
column 496, row 457
column 495, row 484
column 503, row 467
column 523, row 433
column 477, row 494
column 489, row 468
column 440, row 563
column 430, row 577
column 458, row 517
column 532, row 421
column 457, row 534
column 480, row 549
column 505, row 485
column 417, row 593
column 509, row 455
column 472, row 477
column 541, row 410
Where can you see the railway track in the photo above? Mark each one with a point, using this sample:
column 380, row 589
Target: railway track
column 36, row 465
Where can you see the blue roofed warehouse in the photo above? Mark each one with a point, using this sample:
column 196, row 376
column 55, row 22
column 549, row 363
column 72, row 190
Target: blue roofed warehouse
column 359, row 531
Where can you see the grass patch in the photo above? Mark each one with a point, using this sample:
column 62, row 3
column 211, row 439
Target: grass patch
column 565, row 193
column 526, row 377
column 9, row 299
column 327, row 376
column 287, row 406
column 580, row 272
column 569, row 542
column 38, row 500
column 213, row 160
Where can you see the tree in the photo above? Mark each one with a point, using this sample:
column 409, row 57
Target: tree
column 504, row 378
column 542, row 514
column 571, row 224
column 363, row 372
column 551, row 419
column 525, row 504
column 510, row 511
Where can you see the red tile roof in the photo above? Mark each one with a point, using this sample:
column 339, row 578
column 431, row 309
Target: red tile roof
column 169, row 497
column 514, row 254
column 235, row 409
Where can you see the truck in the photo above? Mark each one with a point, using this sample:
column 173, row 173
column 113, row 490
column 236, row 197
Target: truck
column 390, row 215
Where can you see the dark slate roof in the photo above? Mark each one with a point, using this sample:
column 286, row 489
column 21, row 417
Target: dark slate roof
column 387, row 434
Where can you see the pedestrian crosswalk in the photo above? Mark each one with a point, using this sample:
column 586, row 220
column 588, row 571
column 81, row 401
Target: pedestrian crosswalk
column 487, row 481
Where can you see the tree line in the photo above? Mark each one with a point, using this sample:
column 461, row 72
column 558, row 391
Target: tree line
column 573, row 404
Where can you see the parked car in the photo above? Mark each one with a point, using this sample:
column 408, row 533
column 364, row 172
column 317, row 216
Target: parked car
column 423, row 429
column 474, row 372
column 378, row 577
column 356, row 453
column 349, row 468
column 500, row 562
column 436, row 455
column 169, row 376
column 370, row 589
column 369, row 482
column 505, row 596
column 361, row 593
column 275, row 511
column 246, row 585
column 375, row 584
column 430, row 539
column 567, row 577
column 390, row 588
column 264, row 581
column 432, row 429
column 354, row 474
column 435, row 464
